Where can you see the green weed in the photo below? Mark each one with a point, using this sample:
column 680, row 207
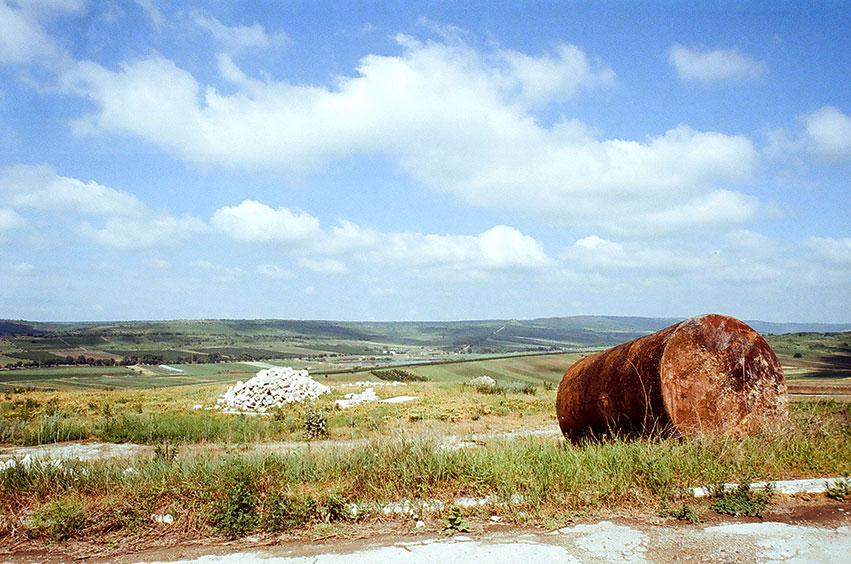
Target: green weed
column 454, row 522
column 840, row 490
column 683, row 513
column 234, row 515
column 58, row 519
column 741, row 500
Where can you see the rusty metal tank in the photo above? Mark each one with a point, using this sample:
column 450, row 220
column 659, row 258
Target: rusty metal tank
column 707, row 374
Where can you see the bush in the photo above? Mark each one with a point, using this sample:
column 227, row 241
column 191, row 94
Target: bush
column 397, row 375
column 741, row 500
column 315, row 423
column 58, row 519
column 684, row 513
column 281, row 512
column 235, row 515
column 840, row 490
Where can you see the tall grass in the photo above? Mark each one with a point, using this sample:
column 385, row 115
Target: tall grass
column 240, row 493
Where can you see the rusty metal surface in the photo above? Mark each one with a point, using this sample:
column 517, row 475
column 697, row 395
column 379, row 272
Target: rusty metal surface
column 710, row 373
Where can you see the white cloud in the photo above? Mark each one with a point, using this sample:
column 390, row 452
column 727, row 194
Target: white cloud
column 455, row 118
column 133, row 234
column 152, row 12
column 157, row 264
column 383, row 291
column 721, row 65
column 253, row 222
column 324, row 266
column 219, row 272
column 129, row 224
column 19, row 269
column 310, row 291
column 834, row 251
column 274, row 272
column 240, row 37
column 10, row 220
column 828, row 132
column 499, row 248
column 39, row 187
column 22, row 35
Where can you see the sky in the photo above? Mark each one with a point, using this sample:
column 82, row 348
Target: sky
column 424, row 160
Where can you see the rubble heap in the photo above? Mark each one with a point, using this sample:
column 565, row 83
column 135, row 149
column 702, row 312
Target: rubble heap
column 270, row 388
column 484, row 381
column 354, row 399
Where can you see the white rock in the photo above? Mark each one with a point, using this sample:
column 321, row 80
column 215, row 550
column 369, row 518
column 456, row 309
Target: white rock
column 483, row 381
column 270, row 388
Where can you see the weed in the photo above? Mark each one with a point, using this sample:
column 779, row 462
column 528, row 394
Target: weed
column 234, row 516
column 741, row 500
column 315, row 423
column 281, row 512
column 166, row 452
column 840, row 490
column 454, row 522
column 58, row 519
column 684, row 513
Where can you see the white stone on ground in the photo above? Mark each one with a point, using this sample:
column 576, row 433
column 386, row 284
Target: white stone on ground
column 270, row 388
column 483, row 381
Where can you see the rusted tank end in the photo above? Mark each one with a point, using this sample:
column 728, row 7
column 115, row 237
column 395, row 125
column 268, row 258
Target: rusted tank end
column 708, row 374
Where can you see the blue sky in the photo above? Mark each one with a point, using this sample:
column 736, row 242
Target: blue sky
column 424, row 161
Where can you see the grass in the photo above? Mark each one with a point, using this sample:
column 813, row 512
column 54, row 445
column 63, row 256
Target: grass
column 171, row 414
column 545, row 479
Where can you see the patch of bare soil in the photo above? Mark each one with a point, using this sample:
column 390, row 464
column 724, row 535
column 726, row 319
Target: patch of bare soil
column 671, row 540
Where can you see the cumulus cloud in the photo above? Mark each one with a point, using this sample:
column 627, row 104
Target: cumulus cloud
column 152, row 12
column 499, row 248
column 324, row 266
column 720, row 65
column 157, row 264
column 253, row 222
column 456, row 118
column 19, row 269
column 22, row 35
column 128, row 223
column 274, row 272
column 828, row 132
column 824, row 134
column 39, row 187
column 219, row 272
column 835, row 251
column 10, row 220
column 134, row 234
column 240, row 37
column 743, row 257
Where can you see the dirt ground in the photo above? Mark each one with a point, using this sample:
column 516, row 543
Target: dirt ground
column 803, row 528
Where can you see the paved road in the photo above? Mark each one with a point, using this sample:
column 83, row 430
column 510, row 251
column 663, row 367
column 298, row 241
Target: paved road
column 602, row 542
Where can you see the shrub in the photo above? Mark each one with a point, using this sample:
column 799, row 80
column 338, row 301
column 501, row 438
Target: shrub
column 397, row 375
column 281, row 512
column 315, row 423
column 741, row 500
column 840, row 490
column 454, row 522
column 58, row 519
column 234, row 516
column 684, row 513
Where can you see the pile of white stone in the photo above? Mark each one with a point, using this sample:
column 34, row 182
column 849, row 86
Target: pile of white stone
column 270, row 388
column 355, row 399
column 483, row 381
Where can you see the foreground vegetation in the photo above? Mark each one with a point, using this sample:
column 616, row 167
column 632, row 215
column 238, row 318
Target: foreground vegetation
column 528, row 479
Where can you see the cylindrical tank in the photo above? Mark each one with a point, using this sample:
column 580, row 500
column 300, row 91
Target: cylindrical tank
column 710, row 373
